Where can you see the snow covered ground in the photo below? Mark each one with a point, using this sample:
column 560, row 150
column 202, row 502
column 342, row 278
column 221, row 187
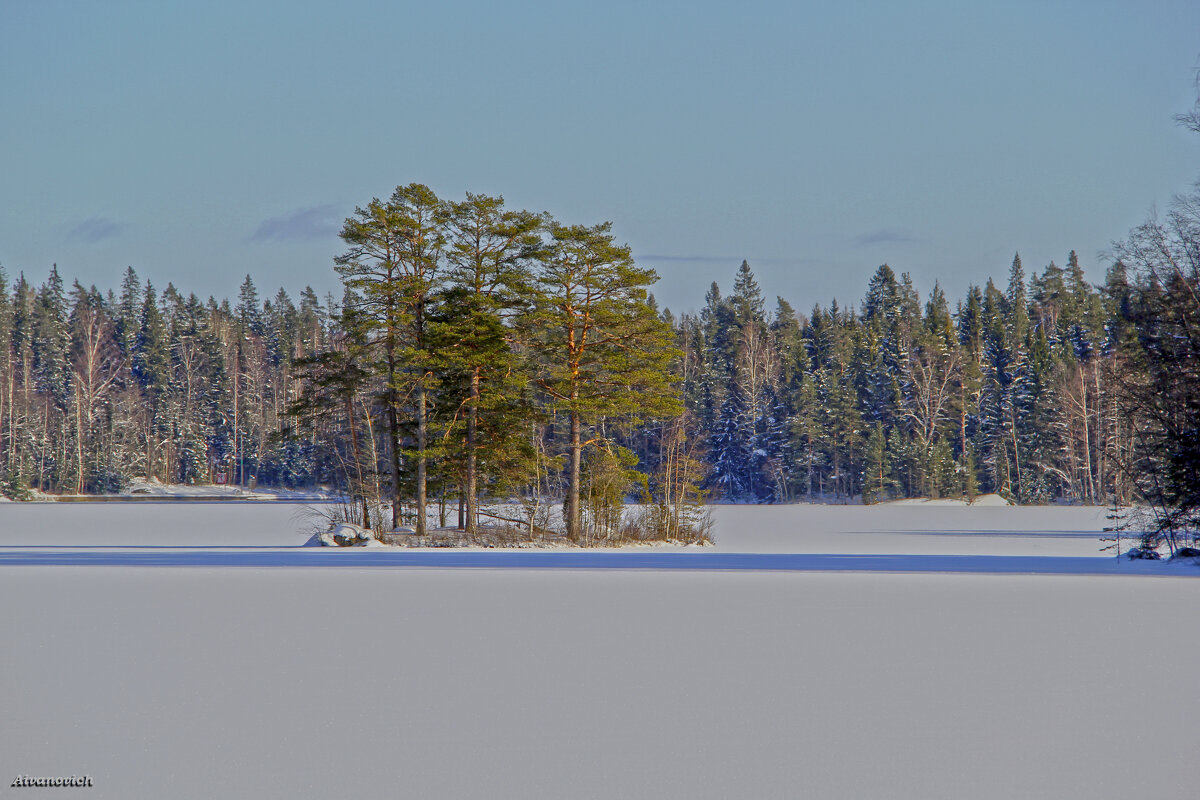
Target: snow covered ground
column 892, row 528
column 353, row 680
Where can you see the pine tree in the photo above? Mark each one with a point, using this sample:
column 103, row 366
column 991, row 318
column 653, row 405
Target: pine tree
column 390, row 269
column 601, row 349
column 490, row 251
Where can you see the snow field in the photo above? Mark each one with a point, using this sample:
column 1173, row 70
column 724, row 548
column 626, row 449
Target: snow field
column 496, row 683
column 880, row 529
column 515, row 684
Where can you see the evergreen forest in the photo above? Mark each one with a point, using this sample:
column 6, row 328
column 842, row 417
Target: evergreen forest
column 478, row 352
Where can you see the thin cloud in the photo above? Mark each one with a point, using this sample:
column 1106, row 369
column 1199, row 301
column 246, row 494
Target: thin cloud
column 300, row 225
column 705, row 259
column 734, row 261
column 884, row 236
column 95, row 229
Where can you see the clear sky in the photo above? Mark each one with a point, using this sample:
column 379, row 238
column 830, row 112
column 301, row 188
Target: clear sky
column 199, row 142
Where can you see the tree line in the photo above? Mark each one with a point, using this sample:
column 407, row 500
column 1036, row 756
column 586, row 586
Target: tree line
column 482, row 352
column 474, row 351
column 99, row 388
column 1011, row 390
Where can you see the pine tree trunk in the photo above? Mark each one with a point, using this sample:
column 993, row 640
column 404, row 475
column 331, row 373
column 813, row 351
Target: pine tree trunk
column 670, row 503
column 394, row 435
column 374, row 442
column 422, row 421
column 472, row 458
column 361, row 489
column 393, row 431
column 574, row 517
column 422, row 435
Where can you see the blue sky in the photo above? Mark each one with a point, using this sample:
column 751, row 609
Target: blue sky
column 199, row 142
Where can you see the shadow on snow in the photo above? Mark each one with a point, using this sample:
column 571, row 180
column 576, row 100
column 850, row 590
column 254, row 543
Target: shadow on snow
column 668, row 562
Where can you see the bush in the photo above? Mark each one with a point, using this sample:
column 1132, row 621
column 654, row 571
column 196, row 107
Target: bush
column 14, row 488
column 105, row 480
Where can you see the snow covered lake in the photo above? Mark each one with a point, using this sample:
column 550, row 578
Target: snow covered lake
column 243, row 675
column 928, row 529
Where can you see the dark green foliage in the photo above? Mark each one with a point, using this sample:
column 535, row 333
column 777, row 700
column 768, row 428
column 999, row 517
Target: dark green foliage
column 51, row 340
column 479, row 351
column 600, row 349
column 150, row 355
column 129, row 312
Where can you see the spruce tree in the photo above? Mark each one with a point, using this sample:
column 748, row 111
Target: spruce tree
column 877, row 360
column 7, row 380
column 728, row 452
column 311, row 322
column 747, row 299
column 805, row 425
column 995, row 402
column 51, row 340
column 249, row 309
column 876, row 471
column 129, row 312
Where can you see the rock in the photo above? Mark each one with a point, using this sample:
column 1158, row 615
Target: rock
column 1137, row 553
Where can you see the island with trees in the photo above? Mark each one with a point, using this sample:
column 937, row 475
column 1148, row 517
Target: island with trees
column 480, row 355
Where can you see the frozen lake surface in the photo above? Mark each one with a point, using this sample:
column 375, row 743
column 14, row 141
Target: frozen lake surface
column 900, row 530
column 369, row 679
